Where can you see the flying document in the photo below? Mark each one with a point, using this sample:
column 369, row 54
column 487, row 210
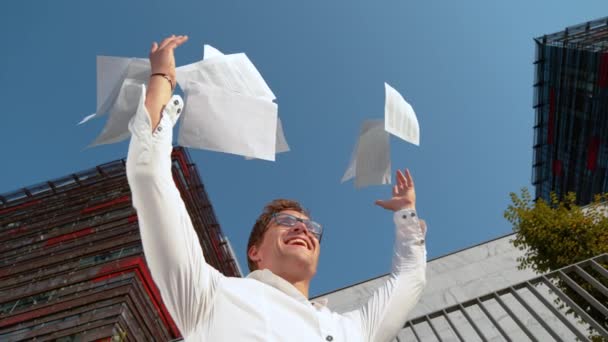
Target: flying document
column 229, row 107
column 370, row 162
column 399, row 117
column 119, row 81
column 223, row 121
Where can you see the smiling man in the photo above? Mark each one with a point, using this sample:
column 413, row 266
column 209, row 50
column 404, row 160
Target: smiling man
column 271, row 303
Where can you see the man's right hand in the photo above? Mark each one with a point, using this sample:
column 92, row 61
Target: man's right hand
column 162, row 60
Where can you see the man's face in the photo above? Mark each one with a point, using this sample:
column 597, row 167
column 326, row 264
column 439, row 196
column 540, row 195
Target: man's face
column 290, row 252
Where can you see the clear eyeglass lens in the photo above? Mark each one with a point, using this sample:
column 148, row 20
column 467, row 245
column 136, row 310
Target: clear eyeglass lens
column 290, row 221
column 287, row 221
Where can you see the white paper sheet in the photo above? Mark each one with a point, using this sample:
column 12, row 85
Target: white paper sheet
column 190, row 72
column 223, row 121
column 399, row 117
column 119, row 81
column 117, row 127
column 370, row 162
column 281, row 145
column 235, row 75
column 210, row 52
column 234, row 72
column 111, row 73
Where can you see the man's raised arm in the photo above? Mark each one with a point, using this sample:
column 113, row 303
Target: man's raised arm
column 386, row 311
column 171, row 246
column 162, row 78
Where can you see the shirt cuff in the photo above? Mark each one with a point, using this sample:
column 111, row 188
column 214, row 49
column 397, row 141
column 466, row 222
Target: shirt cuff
column 141, row 125
column 410, row 229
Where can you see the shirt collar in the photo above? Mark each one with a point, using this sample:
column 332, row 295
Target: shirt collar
column 267, row 277
column 320, row 302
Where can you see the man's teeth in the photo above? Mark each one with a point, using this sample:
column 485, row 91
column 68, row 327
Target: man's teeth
column 298, row 242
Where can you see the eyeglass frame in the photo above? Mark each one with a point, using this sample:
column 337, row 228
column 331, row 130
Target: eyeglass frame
column 306, row 223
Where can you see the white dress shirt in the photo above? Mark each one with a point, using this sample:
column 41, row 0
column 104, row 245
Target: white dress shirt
column 208, row 306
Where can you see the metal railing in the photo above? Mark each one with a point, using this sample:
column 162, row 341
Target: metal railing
column 540, row 309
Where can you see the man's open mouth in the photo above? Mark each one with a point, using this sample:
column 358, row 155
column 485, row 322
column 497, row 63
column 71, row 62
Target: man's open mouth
column 298, row 241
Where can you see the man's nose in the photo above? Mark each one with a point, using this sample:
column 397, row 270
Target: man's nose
column 299, row 227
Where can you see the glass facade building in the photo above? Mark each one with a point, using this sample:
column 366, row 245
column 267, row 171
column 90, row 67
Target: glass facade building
column 71, row 261
column 571, row 105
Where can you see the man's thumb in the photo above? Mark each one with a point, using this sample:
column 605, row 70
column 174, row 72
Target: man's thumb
column 380, row 203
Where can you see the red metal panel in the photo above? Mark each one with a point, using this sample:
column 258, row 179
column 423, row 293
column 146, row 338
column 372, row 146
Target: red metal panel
column 592, row 150
column 557, row 167
column 122, row 199
column 602, row 79
column 132, row 218
column 16, row 231
column 70, row 236
column 20, row 206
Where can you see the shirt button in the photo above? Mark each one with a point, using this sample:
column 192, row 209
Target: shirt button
column 404, row 216
column 179, row 110
column 329, row 338
column 176, row 102
column 159, row 128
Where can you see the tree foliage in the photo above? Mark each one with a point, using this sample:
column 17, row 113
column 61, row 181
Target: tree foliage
column 557, row 234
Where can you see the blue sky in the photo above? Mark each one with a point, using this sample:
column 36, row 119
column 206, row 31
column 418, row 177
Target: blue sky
column 465, row 66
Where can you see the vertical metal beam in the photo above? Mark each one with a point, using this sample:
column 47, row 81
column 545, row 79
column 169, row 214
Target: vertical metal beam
column 513, row 317
column 576, row 287
column 558, row 314
column 575, row 307
column 414, row 331
column 491, row 318
column 452, row 325
column 472, row 323
column 594, row 282
column 535, row 315
column 428, row 319
column 599, row 268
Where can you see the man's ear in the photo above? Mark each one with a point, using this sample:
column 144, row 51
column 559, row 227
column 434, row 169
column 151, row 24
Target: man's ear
column 253, row 254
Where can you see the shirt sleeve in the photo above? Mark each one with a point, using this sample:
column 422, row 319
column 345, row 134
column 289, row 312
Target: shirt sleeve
column 171, row 246
column 386, row 311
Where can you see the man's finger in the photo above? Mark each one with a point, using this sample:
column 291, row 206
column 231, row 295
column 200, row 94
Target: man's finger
column 408, row 177
column 154, row 47
column 181, row 40
column 395, row 190
column 401, row 178
column 166, row 41
column 175, row 42
column 380, row 204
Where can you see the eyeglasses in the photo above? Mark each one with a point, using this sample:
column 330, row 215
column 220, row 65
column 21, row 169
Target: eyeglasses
column 290, row 221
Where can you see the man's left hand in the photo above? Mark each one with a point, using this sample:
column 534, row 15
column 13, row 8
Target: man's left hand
column 404, row 194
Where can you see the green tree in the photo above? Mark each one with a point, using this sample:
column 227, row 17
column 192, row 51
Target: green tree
column 560, row 233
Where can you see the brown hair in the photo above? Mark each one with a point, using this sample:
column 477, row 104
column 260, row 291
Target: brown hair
column 261, row 224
